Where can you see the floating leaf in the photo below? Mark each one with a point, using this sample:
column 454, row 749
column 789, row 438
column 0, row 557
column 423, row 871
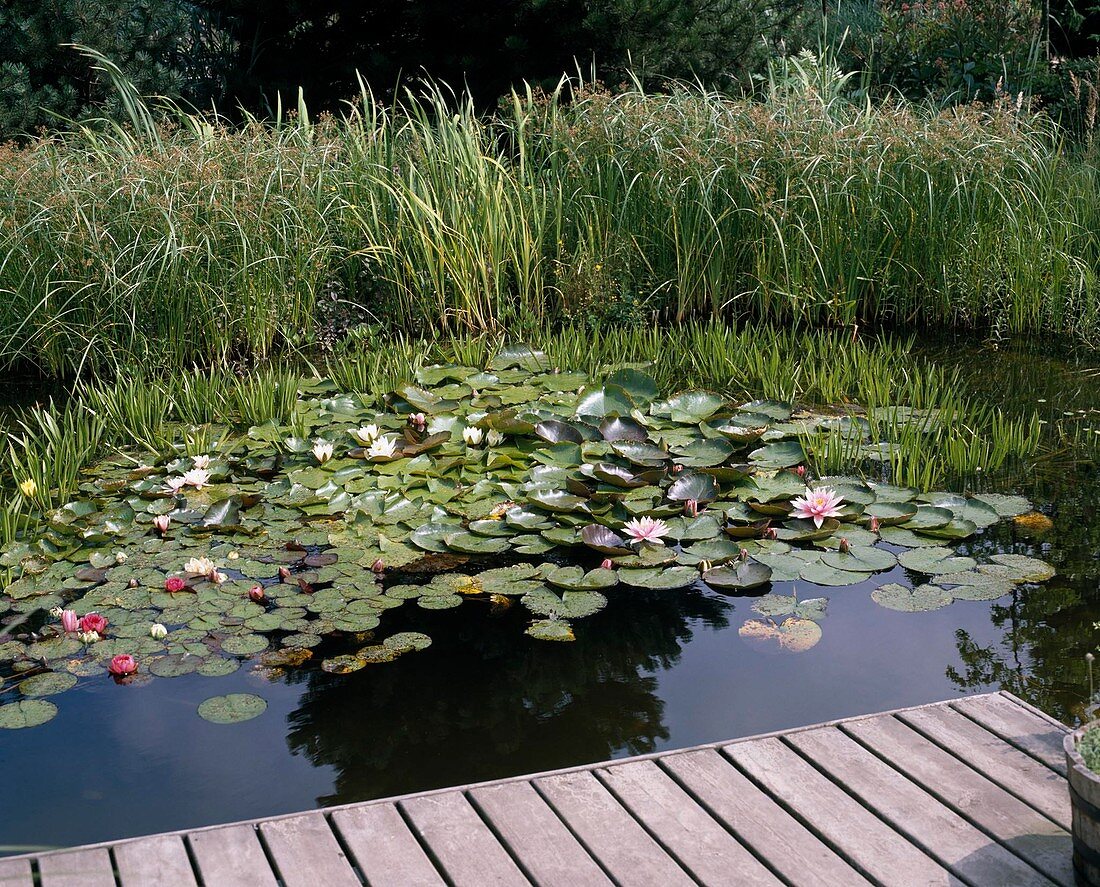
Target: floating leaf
column 792, row 635
column 551, row 630
column 1028, row 569
column 911, row 600
column 232, row 708
column 692, row 485
column 739, row 577
column 26, row 713
column 935, row 560
column 657, row 578
column 47, row 684
column 860, row 559
column 781, row 454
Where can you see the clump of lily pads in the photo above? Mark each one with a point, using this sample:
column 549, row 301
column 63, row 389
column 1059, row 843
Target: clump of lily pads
column 517, row 485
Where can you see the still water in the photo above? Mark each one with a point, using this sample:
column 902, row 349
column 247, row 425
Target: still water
column 654, row 670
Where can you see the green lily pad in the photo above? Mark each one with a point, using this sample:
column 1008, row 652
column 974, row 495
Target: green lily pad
column 571, row 605
column 175, row 665
column 792, row 635
column 1029, row 569
column 821, row 573
column 551, row 630
column 47, row 684
column 911, row 600
column 781, row 454
column 245, row 645
column 26, row 713
column 741, row 576
column 233, row 708
column 935, row 560
column 778, row 605
column 658, row 578
column 575, row 578
column 860, row 559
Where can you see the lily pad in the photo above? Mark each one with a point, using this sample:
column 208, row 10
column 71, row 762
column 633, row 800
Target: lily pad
column 26, row 713
column 233, row 708
column 738, row 577
column 551, row 630
column 911, row 600
column 47, row 684
column 792, row 635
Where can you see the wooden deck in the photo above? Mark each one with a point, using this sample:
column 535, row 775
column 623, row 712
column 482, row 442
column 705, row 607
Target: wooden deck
column 970, row 791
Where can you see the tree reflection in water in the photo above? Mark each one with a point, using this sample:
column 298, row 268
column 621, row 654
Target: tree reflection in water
column 486, row 701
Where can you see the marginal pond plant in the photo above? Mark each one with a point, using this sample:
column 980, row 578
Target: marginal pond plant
column 520, row 484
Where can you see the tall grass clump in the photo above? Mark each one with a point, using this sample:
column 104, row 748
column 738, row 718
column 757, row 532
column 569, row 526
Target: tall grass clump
column 181, row 241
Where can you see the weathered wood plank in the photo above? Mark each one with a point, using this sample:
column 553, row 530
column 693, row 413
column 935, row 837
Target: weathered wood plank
column 154, row 861
column 1017, row 826
column 857, row 834
column 233, row 855
column 383, row 848
column 702, row 845
column 463, row 845
column 77, row 868
column 758, row 821
column 536, row 836
column 910, row 810
column 609, row 832
column 306, row 853
column 16, row 873
column 1005, row 764
column 1018, row 726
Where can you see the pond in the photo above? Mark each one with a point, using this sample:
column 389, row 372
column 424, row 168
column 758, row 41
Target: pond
column 652, row 670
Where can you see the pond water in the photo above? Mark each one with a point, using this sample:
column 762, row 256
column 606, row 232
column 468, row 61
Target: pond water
column 654, row 670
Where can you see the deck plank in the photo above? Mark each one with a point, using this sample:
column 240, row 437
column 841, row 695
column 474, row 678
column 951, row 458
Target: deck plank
column 855, row 832
column 609, row 832
column 758, row 821
column 910, row 810
column 306, row 853
column 1017, row 726
column 154, row 861
column 462, row 844
column 383, row 848
column 77, row 868
column 16, row 873
column 1005, row 764
column 1013, row 823
column 233, row 855
column 702, row 845
column 536, row 836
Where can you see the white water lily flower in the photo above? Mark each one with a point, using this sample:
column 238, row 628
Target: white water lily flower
column 196, row 477
column 157, row 631
column 200, row 566
column 175, row 484
column 472, row 436
column 121, row 557
column 217, row 577
column 200, row 462
column 89, row 637
column 383, row 448
column 322, row 451
column 365, row 434
column 494, row 438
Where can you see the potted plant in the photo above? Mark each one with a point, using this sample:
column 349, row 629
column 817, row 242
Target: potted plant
column 1083, row 769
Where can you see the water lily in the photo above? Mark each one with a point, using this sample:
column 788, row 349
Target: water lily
column 28, row 487
column 817, row 505
column 875, row 525
column 742, row 554
column 365, row 434
column 494, row 438
column 122, row 665
column 174, row 584
column 218, row 577
column 158, row 632
column 472, row 436
column 691, row 508
column 606, row 564
column 70, row 621
column 646, row 529
column 200, row 566
column 418, row 421
column 89, row 637
column 121, row 557
column 161, row 522
column 378, row 566
column 322, row 451
column 383, row 448
column 200, row 462
column 175, row 484
column 800, row 470
column 256, row 593
column 196, row 477
column 844, row 546
column 93, row 622
column 56, row 612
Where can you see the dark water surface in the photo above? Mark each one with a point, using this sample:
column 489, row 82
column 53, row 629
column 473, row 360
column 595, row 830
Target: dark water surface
column 654, row 670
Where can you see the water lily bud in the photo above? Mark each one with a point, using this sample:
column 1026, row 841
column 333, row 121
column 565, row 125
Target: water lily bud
column 256, row 593
column 875, row 524
column 691, row 508
column 233, row 555
column 89, row 637
column 704, row 566
column 800, row 471
column 69, row 620
column 606, row 564
column 743, row 554
column 494, row 438
column 133, row 583
column 322, row 451
column 418, row 421
column 284, row 573
column 28, row 487
column 161, row 522
column 121, row 557
column 770, row 533
column 472, row 436
column 845, row 547
column 122, row 665
column 56, row 612
column 677, row 468
column 1089, row 657
column 378, row 566
column 158, row 632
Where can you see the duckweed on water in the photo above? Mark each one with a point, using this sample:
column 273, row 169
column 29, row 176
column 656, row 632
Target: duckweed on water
column 516, row 484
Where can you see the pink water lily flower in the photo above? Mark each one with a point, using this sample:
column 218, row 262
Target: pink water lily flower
column 816, row 505
column 646, row 529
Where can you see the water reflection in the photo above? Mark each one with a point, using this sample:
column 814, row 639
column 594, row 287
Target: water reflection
column 479, row 705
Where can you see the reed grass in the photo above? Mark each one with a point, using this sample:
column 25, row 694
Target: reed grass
column 178, row 241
